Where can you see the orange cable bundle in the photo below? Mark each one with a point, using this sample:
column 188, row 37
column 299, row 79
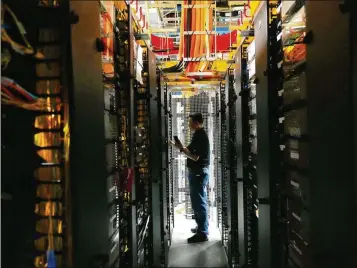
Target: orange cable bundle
column 108, row 35
column 192, row 38
column 200, row 41
column 205, row 23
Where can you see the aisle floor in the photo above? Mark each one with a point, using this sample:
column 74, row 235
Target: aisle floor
column 207, row 254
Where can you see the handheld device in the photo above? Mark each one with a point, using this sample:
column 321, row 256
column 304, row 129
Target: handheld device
column 177, row 140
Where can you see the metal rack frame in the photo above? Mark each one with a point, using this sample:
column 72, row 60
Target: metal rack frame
column 233, row 256
column 169, row 163
column 218, row 170
column 248, row 190
column 225, row 172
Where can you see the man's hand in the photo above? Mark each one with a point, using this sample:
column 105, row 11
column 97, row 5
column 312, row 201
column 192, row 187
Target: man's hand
column 185, row 150
column 178, row 146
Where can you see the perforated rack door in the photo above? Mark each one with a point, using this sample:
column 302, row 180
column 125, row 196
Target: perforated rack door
column 224, row 164
column 218, row 166
column 169, row 159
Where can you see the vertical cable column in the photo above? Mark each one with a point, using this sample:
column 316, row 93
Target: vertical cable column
column 168, row 156
column 275, row 86
column 169, row 171
column 122, row 64
column 218, row 163
column 232, row 97
column 249, row 151
column 142, row 157
column 224, row 165
column 171, row 159
column 175, row 160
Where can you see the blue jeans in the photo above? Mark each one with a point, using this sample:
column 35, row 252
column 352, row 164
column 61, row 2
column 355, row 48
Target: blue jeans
column 198, row 182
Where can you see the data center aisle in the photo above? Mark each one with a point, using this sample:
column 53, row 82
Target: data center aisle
column 207, row 254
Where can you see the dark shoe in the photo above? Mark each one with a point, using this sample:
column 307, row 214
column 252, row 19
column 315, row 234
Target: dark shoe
column 197, row 238
column 194, row 230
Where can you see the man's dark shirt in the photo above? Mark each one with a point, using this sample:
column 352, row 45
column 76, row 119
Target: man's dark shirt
column 199, row 146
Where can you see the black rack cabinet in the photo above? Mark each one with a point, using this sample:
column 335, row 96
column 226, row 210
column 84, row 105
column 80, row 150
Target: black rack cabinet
column 239, row 138
column 267, row 149
column 165, row 204
column 316, row 112
column 88, row 166
column 248, row 192
column 353, row 42
column 125, row 185
column 158, row 168
column 142, row 152
column 263, row 137
column 233, row 255
column 35, row 181
column 103, row 153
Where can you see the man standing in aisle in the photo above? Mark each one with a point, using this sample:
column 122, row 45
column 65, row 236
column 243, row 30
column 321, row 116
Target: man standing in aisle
column 198, row 160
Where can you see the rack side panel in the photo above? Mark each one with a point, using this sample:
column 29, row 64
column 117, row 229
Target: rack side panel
column 353, row 43
column 330, row 131
column 89, row 196
column 155, row 163
column 263, row 136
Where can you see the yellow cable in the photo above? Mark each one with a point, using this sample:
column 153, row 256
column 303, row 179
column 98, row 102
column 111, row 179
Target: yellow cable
column 207, row 28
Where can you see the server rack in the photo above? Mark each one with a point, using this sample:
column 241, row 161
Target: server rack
column 158, row 147
column 104, row 200
column 143, row 105
column 143, row 190
column 35, row 140
column 124, row 173
column 88, row 167
column 264, row 134
column 313, row 90
column 164, row 182
column 113, row 52
column 249, row 151
column 241, row 139
column 126, row 140
column 152, row 240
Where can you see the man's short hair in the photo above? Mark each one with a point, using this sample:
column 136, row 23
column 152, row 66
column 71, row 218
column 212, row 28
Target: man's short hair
column 197, row 117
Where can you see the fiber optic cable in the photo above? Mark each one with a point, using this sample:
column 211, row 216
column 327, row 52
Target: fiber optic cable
column 26, row 49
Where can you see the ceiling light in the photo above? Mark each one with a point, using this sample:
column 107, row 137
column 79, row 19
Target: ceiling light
column 200, row 74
